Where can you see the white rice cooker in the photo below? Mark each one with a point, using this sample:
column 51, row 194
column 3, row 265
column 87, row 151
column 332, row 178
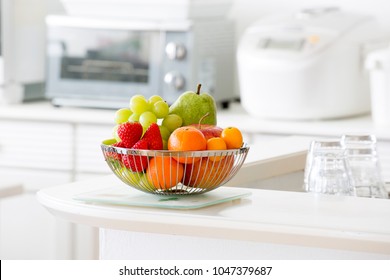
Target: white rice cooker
column 306, row 65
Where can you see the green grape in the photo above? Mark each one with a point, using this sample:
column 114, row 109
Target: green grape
column 172, row 122
column 146, row 119
column 122, row 115
column 139, row 104
column 165, row 144
column 134, row 117
column 155, row 98
column 165, row 133
column 115, row 133
column 160, row 109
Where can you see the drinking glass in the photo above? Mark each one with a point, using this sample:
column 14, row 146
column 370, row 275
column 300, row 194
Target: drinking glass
column 326, row 168
column 363, row 161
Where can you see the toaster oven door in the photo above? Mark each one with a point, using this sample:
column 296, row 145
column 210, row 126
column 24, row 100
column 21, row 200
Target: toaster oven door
column 102, row 64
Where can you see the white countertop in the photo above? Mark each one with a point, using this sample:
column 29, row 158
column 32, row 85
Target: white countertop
column 10, row 188
column 234, row 116
column 290, row 218
column 283, row 217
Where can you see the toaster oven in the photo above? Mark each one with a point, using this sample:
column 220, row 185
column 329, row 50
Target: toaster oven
column 97, row 62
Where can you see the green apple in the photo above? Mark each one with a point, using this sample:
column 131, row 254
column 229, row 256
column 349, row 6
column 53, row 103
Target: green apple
column 192, row 106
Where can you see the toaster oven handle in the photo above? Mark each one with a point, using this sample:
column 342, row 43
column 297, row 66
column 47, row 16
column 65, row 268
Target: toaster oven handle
column 104, row 66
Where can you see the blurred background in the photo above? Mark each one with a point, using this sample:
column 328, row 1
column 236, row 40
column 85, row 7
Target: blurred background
column 44, row 53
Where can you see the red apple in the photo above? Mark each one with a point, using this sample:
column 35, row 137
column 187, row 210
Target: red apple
column 203, row 174
column 209, row 130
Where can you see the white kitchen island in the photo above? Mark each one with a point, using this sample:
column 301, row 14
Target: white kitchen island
column 267, row 224
column 63, row 146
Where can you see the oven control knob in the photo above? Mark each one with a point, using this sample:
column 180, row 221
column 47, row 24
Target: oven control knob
column 175, row 51
column 175, row 80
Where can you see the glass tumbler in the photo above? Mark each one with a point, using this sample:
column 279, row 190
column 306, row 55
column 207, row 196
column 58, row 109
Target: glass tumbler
column 326, row 168
column 364, row 165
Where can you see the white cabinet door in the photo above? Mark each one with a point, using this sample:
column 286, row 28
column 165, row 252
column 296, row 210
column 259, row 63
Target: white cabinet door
column 89, row 163
column 36, row 145
column 39, row 155
column 27, row 229
column 89, row 157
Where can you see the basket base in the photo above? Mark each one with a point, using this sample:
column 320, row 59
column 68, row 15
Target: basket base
column 131, row 197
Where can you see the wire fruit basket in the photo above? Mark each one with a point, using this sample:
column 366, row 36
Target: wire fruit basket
column 166, row 172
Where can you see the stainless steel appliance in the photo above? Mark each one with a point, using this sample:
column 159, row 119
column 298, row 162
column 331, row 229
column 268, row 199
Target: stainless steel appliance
column 98, row 62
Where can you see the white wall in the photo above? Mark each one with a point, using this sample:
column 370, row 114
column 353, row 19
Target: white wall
column 247, row 11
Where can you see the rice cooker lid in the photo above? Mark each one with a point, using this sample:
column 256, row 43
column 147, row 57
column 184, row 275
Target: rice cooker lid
column 297, row 35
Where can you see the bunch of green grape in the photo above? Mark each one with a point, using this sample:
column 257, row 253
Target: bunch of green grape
column 148, row 111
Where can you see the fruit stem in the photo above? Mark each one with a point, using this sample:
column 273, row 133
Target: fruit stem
column 198, row 89
column 202, row 118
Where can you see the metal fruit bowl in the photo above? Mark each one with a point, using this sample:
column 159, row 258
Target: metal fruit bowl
column 198, row 172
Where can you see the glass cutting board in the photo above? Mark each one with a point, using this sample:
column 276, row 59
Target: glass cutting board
column 130, row 197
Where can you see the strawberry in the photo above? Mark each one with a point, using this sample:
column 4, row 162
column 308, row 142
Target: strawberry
column 113, row 154
column 130, row 133
column 119, row 145
column 136, row 163
column 153, row 137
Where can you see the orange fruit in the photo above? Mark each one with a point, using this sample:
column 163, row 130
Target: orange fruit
column 232, row 137
column 187, row 138
column 164, row 172
column 216, row 143
column 207, row 174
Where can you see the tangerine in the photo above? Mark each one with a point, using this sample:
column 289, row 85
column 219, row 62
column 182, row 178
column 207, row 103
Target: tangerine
column 232, row 137
column 164, row 172
column 187, row 138
column 208, row 174
column 216, row 143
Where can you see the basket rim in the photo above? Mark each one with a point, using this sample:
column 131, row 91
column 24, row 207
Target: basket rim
column 203, row 153
column 225, row 170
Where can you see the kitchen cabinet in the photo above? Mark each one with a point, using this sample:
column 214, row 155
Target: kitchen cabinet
column 89, row 159
column 36, row 145
column 37, row 155
column 42, row 153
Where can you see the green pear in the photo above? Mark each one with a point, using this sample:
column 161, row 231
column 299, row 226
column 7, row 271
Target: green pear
column 192, row 106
